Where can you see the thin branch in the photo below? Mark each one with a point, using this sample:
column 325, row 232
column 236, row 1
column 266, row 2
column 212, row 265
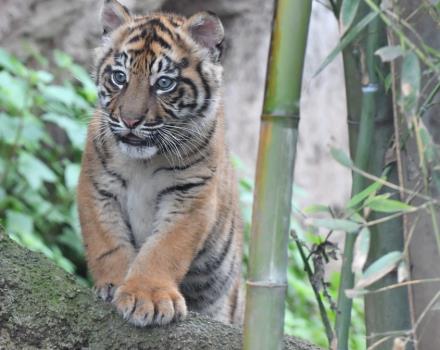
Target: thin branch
column 396, row 215
column 403, row 284
column 325, row 320
column 426, row 310
column 392, row 186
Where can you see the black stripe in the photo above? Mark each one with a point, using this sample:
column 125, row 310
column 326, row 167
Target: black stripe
column 170, row 113
column 183, row 167
column 179, row 95
column 108, row 195
column 180, row 188
column 207, row 96
column 173, row 22
column 103, row 160
column 120, row 58
column 138, row 37
column 130, row 233
column 191, row 84
column 183, row 63
column 100, row 63
column 161, row 41
column 156, row 22
column 182, row 105
column 135, row 38
column 104, row 193
column 210, row 240
column 214, row 264
column 211, row 290
column 125, row 9
column 138, row 25
column 109, row 252
column 168, row 62
column 136, row 52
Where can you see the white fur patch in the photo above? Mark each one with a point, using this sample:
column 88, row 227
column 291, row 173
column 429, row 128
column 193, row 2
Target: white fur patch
column 137, row 152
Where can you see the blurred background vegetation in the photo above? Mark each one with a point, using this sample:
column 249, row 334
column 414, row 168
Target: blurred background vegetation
column 43, row 116
column 46, row 100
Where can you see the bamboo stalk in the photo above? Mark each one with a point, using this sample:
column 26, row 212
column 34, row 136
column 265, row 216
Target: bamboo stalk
column 361, row 87
column 369, row 143
column 353, row 78
column 388, row 311
column 266, row 285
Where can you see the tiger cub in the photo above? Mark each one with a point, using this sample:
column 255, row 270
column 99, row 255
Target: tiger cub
column 157, row 195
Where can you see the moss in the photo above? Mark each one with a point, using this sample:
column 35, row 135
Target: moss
column 43, row 307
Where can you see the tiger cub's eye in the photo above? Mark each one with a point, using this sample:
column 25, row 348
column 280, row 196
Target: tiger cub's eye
column 165, row 83
column 119, row 77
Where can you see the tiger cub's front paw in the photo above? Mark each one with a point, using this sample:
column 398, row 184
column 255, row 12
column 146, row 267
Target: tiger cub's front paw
column 105, row 291
column 143, row 304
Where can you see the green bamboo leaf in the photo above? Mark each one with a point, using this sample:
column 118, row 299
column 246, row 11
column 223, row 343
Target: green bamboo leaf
column 385, row 205
column 379, row 268
column 436, row 178
column 377, row 198
column 358, row 198
column 337, row 225
column 341, row 157
column 361, row 248
column 346, row 40
column 348, row 13
column 316, row 208
column 389, row 53
column 410, row 84
column 427, row 141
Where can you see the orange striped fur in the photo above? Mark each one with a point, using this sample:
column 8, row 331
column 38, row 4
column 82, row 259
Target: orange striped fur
column 157, row 195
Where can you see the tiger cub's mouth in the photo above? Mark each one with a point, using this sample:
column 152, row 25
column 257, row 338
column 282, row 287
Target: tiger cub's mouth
column 133, row 140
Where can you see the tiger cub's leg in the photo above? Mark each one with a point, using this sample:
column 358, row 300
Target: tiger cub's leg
column 150, row 293
column 106, row 237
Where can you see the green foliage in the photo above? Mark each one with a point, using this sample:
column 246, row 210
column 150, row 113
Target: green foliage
column 346, row 40
column 41, row 138
column 302, row 316
column 348, row 13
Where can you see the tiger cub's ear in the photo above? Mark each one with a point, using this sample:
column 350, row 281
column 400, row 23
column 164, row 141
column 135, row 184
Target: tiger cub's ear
column 206, row 29
column 113, row 15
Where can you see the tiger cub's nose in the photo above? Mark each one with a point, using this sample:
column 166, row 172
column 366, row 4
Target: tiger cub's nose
column 131, row 122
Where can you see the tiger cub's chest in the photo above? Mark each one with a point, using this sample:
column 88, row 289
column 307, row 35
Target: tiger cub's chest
column 138, row 203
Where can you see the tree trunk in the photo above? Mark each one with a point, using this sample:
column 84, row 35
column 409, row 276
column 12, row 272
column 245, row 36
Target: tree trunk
column 42, row 307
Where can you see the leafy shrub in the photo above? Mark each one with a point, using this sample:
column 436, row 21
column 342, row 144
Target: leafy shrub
column 41, row 138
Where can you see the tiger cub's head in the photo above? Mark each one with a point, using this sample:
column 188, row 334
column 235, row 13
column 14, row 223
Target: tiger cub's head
column 158, row 79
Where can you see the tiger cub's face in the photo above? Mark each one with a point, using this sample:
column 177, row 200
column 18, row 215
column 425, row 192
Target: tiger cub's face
column 158, row 80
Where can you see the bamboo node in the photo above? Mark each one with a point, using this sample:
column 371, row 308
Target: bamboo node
column 294, row 116
column 370, row 88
